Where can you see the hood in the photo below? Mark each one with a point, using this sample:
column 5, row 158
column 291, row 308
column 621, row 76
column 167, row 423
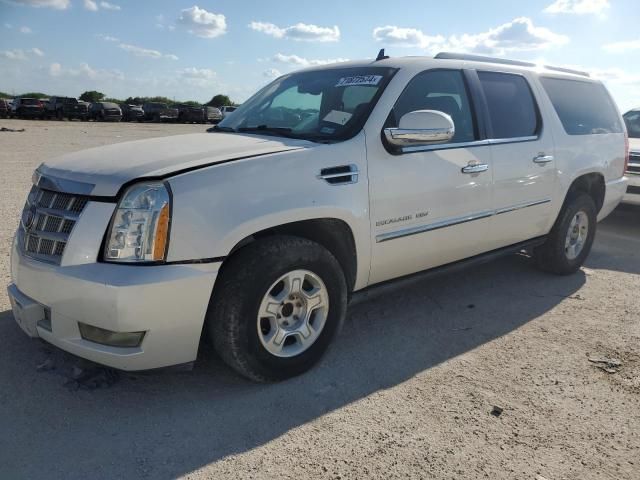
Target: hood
column 102, row 171
column 634, row 144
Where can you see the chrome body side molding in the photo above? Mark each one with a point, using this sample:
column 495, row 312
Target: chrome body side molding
column 450, row 222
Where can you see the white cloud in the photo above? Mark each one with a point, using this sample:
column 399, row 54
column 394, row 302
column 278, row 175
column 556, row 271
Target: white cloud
column 8, row 25
column 271, row 73
column 518, row 35
column 578, row 7
column 622, row 47
column 145, row 52
column 90, row 5
column 109, row 6
column 304, row 62
column 85, row 71
column 25, row 30
column 202, row 23
column 37, row 52
column 16, row 54
column 107, row 38
column 299, row 31
column 406, row 37
column 198, row 77
column 57, row 4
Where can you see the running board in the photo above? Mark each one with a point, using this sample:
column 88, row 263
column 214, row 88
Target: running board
column 390, row 285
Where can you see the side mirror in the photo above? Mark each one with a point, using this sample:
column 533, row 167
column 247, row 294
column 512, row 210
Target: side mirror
column 422, row 127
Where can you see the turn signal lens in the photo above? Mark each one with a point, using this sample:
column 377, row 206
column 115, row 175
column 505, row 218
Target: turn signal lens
column 162, row 233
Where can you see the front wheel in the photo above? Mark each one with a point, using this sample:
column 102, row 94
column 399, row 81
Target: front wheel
column 276, row 307
column 571, row 238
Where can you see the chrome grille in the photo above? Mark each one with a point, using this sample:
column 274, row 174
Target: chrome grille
column 47, row 221
column 634, row 163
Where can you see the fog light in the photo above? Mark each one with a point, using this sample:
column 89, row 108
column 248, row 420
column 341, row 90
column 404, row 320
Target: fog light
column 109, row 338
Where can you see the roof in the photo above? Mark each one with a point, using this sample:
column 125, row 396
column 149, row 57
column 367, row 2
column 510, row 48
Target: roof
column 457, row 60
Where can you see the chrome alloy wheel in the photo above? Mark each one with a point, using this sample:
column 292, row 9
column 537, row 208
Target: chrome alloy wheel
column 293, row 313
column 577, row 235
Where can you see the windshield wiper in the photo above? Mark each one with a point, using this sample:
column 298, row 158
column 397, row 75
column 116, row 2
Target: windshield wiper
column 218, row 128
column 265, row 128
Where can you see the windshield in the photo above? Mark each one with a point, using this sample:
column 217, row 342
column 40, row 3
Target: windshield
column 324, row 105
column 30, row 101
column 72, row 101
column 632, row 119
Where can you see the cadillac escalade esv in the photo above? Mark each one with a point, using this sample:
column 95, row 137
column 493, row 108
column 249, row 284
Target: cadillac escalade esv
column 326, row 182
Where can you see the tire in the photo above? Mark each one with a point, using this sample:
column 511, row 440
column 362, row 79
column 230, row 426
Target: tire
column 249, row 280
column 563, row 253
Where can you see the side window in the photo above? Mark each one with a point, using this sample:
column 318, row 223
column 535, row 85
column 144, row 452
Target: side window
column 441, row 90
column 584, row 108
column 512, row 109
column 632, row 119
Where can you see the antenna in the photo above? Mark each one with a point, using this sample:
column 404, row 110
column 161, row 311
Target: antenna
column 381, row 55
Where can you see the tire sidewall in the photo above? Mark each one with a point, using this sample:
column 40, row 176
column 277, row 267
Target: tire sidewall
column 580, row 203
column 306, row 256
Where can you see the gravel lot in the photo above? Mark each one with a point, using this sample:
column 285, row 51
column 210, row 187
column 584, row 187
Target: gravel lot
column 407, row 391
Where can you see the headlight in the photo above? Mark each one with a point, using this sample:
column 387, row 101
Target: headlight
column 139, row 230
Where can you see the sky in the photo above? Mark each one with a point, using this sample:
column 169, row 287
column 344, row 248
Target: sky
column 192, row 51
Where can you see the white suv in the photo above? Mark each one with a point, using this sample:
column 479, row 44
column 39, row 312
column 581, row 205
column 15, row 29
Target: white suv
column 632, row 119
column 325, row 182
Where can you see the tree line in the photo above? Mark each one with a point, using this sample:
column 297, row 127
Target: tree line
column 93, row 96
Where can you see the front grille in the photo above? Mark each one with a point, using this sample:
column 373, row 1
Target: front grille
column 47, row 221
column 634, row 163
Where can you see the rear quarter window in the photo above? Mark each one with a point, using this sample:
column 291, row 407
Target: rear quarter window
column 584, row 108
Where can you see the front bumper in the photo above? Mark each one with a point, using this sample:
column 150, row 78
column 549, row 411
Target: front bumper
column 168, row 302
column 632, row 195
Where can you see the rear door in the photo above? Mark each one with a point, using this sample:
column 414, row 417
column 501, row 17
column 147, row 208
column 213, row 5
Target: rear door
column 522, row 150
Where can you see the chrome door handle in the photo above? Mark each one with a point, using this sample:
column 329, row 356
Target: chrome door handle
column 543, row 159
column 475, row 168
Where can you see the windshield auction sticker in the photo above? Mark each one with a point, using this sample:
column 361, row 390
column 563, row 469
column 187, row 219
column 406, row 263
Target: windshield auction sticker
column 359, row 80
column 336, row 116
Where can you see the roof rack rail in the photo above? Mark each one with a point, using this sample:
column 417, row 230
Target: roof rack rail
column 480, row 58
column 503, row 61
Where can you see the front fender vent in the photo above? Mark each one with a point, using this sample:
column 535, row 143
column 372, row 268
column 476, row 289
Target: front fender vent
column 340, row 175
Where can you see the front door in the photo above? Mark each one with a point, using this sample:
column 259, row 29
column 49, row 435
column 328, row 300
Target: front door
column 427, row 208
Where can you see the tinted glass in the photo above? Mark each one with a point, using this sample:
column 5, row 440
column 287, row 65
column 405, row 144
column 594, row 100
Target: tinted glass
column 632, row 119
column 512, row 109
column 584, row 108
column 30, row 101
column 443, row 91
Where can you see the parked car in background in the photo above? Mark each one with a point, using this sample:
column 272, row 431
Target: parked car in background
column 24, row 107
column 227, row 110
column 105, row 112
column 212, row 114
column 632, row 120
column 159, row 112
column 66, row 107
column 132, row 113
column 190, row 114
column 398, row 166
column 5, row 108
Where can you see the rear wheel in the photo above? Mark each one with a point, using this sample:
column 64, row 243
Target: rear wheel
column 276, row 307
column 571, row 238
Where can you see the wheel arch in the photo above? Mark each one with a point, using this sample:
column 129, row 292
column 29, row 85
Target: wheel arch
column 332, row 233
column 593, row 184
